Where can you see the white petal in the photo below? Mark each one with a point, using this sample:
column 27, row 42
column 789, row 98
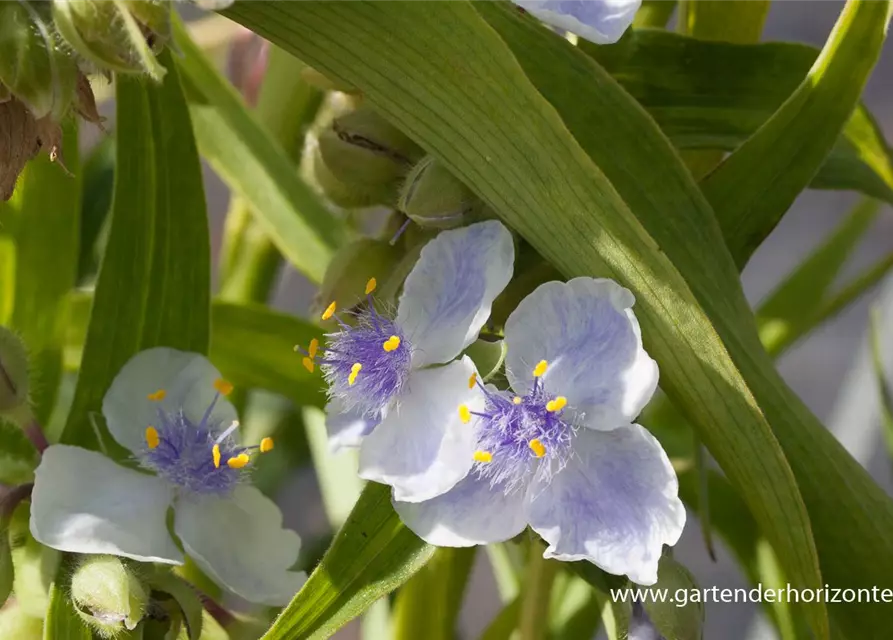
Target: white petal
column 470, row 513
column 422, row 448
column 84, row 503
column 615, row 504
column 346, row 428
column 188, row 381
column 240, row 543
column 585, row 329
column 599, row 21
column 447, row 296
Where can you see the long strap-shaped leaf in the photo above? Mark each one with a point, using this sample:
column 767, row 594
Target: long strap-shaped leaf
column 439, row 72
column 753, row 188
column 155, row 280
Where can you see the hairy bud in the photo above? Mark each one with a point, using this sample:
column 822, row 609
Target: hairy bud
column 108, row 595
column 351, row 268
column 13, row 372
column 33, row 66
column 434, row 198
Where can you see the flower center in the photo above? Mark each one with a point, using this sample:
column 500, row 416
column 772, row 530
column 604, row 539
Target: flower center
column 520, row 435
column 199, row 457
column 365, row 364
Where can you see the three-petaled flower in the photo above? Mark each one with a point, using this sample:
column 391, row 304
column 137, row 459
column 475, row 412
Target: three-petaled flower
column 169, row 408
column 599, row 21
column 387, row 391
column 562, row 453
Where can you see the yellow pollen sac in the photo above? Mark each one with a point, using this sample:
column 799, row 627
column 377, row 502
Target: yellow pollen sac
column 537, row 447
column 516, row 400
column 354, row 372
column 329, row 312
column 557, row 404
column 216, row 453
column 391, row 343
column 314, row 347
column 223, row 387
column 370, row 285
column 473, row 380
column 464, row 413
column 540, row 368
column 483, row 456
column 308, row 364
column 152, row 438
column 266, row 445
column 239, row 461
column 158, row 396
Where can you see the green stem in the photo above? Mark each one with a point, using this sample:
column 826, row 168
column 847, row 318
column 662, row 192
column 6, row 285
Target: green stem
column 537, row 588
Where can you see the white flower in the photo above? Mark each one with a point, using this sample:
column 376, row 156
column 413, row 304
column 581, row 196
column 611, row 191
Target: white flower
column 562, row 453
column 599, row 21
column 169, row 409
column 387, row 391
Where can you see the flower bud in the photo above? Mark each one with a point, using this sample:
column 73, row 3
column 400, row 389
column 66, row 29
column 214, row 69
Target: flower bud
column 13, row 372
column 33, row 65
column 118, row 36
column 108, row 595
column 349, row 272
column 363, row 151
column 434, row 198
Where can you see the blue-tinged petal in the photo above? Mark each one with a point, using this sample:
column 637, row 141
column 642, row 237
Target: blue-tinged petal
column 448, row 295
column 423, row 447
column 615, row 504
column 84, row 503
column 599, row 21
column 240, row 543
column 586, row 331
column 186, row 380
column 346, row 428
column 473, row 512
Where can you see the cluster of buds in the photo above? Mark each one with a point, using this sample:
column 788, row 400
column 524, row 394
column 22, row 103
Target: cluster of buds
column 46, row 50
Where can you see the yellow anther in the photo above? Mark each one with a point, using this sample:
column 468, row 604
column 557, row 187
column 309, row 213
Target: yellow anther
column 238, row 461
column 158, row 396
column 354, row 372
column 223, row 387
column 537, row 447
column 516, row 400
column 483, row 456
column 266, row 445
column 152, row 438
column 370, row 285
column 540, row 368
column 557, row 404
column 314, row 347
column 473, row 380
column 329, row 312
column 391, row 343
column 308, row 364
column 216, row 453
column 464, row 413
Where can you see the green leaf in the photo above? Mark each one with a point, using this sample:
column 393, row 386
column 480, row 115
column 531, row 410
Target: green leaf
column 62, row 621
column 18, row 457
column 254, row 347
column 714, row 95
column 753, row 188
column 372, row 555
column 428, row 605
column 7, row 572
column 44, row 214
column 672, row 621
column 241, row 151
column 504, row 624
column 546, row 187
column 98, row 175
column 793, row 305
column 885, row 389
column 186, row 598
column 154, row 284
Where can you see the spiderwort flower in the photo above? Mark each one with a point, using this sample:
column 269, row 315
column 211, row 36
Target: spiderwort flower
column 562, row 453
column 170, row 409
column 384, row 389
column 599, row 21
